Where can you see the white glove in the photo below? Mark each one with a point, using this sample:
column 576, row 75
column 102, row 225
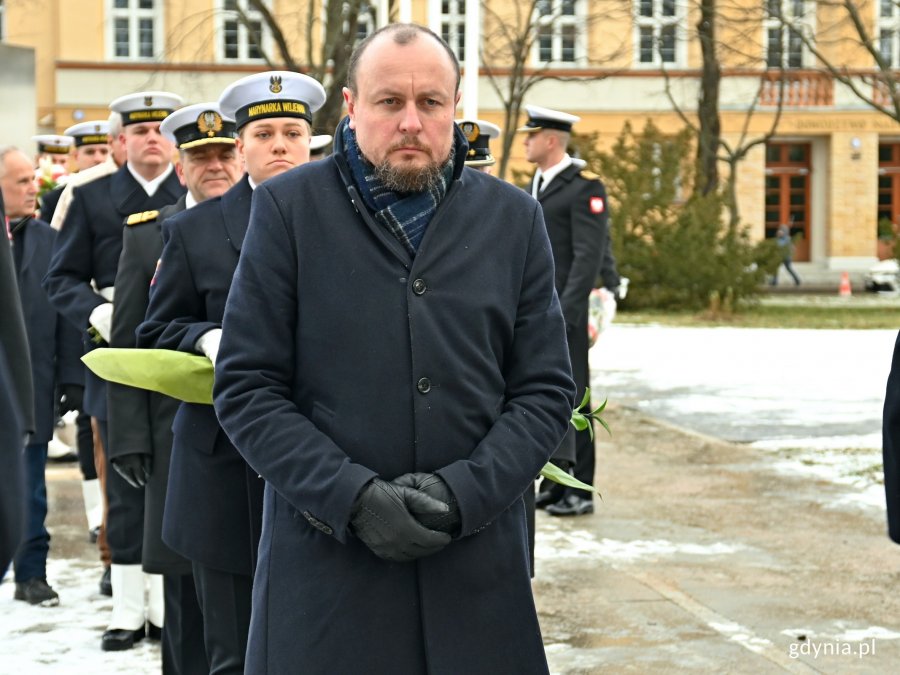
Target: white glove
column 208, row 343
column 101, row 319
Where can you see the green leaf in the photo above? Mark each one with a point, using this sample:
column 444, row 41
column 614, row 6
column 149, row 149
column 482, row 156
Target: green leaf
column 187, row 377
column 585, row 399
column 557, row 475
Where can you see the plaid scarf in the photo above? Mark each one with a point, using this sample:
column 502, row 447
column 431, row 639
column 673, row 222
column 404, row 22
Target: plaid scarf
column 405, row 215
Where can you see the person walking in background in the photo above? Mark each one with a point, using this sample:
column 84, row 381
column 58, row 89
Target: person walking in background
column 396, row 385
column 577, row 214
column 786, row 246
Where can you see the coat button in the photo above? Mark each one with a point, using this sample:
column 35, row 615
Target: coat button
column 419, row 286
column 423, row 385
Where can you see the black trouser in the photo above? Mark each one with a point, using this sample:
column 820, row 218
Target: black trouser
column 125, row 517
column 183, row 652
column 225, row 601
column 85, row 443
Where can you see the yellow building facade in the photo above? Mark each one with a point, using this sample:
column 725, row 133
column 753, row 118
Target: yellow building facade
column 831, row 169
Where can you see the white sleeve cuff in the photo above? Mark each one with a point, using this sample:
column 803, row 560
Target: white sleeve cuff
column 208, row 343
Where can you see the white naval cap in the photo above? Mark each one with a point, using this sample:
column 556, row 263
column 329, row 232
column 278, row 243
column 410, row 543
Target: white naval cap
column 544, row 118
column 146, row 106
column 319, row 142
column 275, row 93
column 479, row 133
column 198, row 124
column 89, row 133
column 53, row 144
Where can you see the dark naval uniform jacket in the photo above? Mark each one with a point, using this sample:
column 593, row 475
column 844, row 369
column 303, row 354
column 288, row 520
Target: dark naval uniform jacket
column 213, row 504
column 891, row 446
column 54, row 344
column 140, row 421
column 343, row 358
column 577, row 218
column 88, row 249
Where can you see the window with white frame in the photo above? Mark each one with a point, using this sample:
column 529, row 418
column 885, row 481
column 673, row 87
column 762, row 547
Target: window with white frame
column 242, row 31
column 135, row 29
column 453, row 26
column 786, row 23
column 657, row 27
column 559, row 38
column 889, row 32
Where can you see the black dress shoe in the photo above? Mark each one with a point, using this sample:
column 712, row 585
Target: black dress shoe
column 106, row 583
column 570, row 505
column 120, row 639
column 153, row 632
column 544, row 499
column 36, row 592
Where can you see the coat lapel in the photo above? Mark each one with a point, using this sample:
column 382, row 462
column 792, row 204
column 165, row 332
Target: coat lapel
column 562, row 178
column 235, row 207
column 128, row 194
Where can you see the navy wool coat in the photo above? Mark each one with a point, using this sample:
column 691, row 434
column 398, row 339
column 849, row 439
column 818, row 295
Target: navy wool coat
column 213, row 504
column 891, row 445
column 343, row 358
column 88, row 249
column 54, row 343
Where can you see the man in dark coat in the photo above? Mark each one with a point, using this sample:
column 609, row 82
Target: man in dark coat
column 397, row 385
column 16, row 403
column 891, row 446
column 213, row 508
column 80, row 285
column 55, row 348
column 575, row 210
column 140, row 422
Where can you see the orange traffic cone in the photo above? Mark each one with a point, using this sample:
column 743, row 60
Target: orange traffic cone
column 845, row 291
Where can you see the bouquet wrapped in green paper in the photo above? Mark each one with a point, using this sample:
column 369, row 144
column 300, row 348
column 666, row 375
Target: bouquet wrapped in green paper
column 189, row 378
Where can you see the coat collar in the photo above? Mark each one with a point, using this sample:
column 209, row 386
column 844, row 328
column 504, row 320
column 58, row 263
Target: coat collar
column 385, row 237
column 564, row 177
column 235, row 206
column 129, row 196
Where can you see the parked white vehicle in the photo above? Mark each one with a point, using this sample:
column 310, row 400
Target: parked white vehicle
column 883, row 276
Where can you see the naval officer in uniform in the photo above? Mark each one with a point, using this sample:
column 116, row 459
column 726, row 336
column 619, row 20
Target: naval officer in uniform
column 214, row 502
column 80, row 284
column 140, row 422
column 576, row 214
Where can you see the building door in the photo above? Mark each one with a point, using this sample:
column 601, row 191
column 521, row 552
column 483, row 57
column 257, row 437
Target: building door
column 888, row 190
column 787, row 193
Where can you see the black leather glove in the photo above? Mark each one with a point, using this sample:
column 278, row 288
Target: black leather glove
column 383, row 520
column 434, row 486
column 70, row 397
column 134, row 468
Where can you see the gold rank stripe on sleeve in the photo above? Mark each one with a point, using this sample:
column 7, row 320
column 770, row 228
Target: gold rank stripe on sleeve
column 142, row 217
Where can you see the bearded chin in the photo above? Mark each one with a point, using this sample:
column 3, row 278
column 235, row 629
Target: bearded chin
column 407, row 179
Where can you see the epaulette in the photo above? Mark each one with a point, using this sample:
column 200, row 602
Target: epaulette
column 590, row 175
column 142, row 217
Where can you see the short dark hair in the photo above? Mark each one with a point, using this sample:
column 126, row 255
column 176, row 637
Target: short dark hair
column 403, row 34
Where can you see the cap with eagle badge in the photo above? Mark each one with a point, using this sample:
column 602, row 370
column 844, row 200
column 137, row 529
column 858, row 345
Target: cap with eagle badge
column 89, row 133
column 543, row 118
column 53, row 144
column 146, row 106
column 198, row 124
column 479, row 133
column 276, row 93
